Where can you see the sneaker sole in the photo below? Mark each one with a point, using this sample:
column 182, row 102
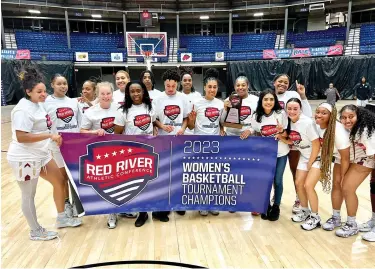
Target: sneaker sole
column 347, row 235
column 317, row 226
column 330, row 230
column 365, row 230
column 43, row 238
column 109, row 227
column 296, row 211
column 368, row 239
column 298, row 221
column 68, row 226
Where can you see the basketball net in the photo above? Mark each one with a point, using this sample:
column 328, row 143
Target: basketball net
column 147, row 55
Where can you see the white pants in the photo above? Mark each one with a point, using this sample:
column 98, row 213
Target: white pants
column 362, row 103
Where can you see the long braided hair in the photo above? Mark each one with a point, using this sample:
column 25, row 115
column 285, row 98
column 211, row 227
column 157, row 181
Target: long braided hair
column 327, row 151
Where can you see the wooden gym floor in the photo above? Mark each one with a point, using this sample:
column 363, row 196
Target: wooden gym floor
column 237, row 240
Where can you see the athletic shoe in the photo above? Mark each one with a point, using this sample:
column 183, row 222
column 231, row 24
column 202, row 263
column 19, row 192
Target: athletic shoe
column 65, row 221
column 42, row 234
column 311, row 223
column 75, row 212
column 367, row 226
column 296, row 207
column 141, row 220
column 162, row 216
column 129, row 215
column 181, row 213
column 68, row 210
column 274, row 213
column 369, row 236
column 232, row 212
column 214, row 212
column 332, row 223
column 112, row 221
column 349, row 229
column 301, row 216
column 203, row 213
column 264, row 216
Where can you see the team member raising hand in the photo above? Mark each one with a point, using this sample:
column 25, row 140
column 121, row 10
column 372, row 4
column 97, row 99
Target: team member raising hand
column 29, row 155
column 205, row 117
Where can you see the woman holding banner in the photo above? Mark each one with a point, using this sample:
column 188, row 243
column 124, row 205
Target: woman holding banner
column 270, row 120
column 281, row 85
column 205, row 117
column 136, row 117
column 29, row 155
column 361, row 123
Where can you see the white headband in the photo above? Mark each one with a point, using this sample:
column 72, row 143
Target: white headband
column 327, row 106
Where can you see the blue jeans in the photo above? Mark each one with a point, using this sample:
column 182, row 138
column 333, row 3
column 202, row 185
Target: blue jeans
column 278, row 180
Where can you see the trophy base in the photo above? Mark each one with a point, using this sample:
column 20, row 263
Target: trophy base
column 233, row 125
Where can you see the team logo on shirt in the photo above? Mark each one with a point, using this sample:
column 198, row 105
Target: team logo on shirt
column 212, row 113
column 268, row 130
column 142, row 121
column 48, row 121
column 282, row 104
column 295, row 137
column 245, row 112
column 172, row 111
column 65, row 114
column 108, row 125
column 118, row 170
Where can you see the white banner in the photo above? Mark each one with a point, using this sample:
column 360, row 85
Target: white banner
column 117, row 57
column 82, row 56
column 186, row 57
column 219, row 56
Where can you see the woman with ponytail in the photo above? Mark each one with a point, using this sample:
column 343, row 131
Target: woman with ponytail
column 361, row 124
column 205, row 117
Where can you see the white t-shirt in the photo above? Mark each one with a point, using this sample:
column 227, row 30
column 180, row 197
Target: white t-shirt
column 191, row 97
column 363, row 145
column 248, row 107
column 171, row 110
column 138, row 120
column 118, row 97
column 341, row 138
column 154, row 94
column 84, row 106
column 302, row 133
column 208, row 116
column 267, row 128
column 96, row 118
column 29, row 117
column 284, row 98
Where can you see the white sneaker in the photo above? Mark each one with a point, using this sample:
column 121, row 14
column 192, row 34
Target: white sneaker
column 112, row 221
column 214, row 212
column 68, row 210
column 367, row 226
column 67, row 222
column 203, row 213
column 42, row 234
column 369, row 236
column 129, row 215
column 301, row 216
column 311, row 223
column 332, row 223
column 348, row 229
column 296, row 207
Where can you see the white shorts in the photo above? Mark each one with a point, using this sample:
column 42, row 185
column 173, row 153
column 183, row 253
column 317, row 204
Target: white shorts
column 367, row 161
column 302, row 163
column 28, row 170
column 362, row 103
column 58, row 159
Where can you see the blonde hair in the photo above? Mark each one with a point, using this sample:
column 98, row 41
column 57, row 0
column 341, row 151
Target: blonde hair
column 124, row 72
column 103, row 84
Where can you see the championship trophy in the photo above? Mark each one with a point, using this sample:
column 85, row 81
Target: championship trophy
column 232, row 119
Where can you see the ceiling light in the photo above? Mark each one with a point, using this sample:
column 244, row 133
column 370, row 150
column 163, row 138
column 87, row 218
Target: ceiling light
column 204, row 17
column 34, row 11
column 96, row 16
column 259, row 14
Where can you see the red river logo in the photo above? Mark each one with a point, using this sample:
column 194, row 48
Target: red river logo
column 118, row 170
column 212, row 113
column 65, row 114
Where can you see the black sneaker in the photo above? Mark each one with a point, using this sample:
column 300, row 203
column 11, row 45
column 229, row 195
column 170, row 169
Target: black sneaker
column 265, row 215
column 274, row 213
column 162, row 216
column 181, row 213
column 141, row 220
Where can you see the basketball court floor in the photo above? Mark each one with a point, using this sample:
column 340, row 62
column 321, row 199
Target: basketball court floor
column 237, row 240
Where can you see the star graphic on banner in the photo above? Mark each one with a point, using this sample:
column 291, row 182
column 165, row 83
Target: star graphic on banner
column 244, row 159
column 122, row 151
column 225, row 158
column 114, row 153
column 248, row 159
column 184, row 158
column 253, row 159
column 234, row 158
column 230, row 158
column 130, row 150
column 258, row 160
column 193, row 158
column 220, row 158
column 188, row 158
column 197, row 158
column 206, row 158
column 98, row 157
column 106, row 155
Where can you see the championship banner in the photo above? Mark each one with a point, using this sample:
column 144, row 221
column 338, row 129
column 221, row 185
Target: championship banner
column 118, row 173
column 303, row 52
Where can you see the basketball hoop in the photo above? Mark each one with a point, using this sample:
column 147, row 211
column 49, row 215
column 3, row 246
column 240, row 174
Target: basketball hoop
column 148, row 58
column 147, row 54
